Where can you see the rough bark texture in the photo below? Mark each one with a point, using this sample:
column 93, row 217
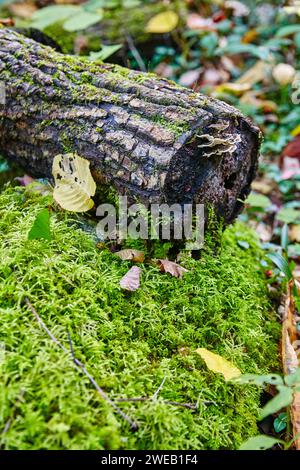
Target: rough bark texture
column 149, row 137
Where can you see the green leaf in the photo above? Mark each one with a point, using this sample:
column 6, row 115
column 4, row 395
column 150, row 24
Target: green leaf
column 53, row 13
column 282, row 400
column 258, row 200
column 293, row 379
column 259, row 443
column 272, row 379
column 41, row 227
column 243, row 244
column 94, row 5
column 288, row 30
column 82, row 20
column 294, row 250
column 106, row 51
column 3, row 166
column 288, row 215
column 285, row 237
column 237, row 48
column 281, row 264
column 280, row 422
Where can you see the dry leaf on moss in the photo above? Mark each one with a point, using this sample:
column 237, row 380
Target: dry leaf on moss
column 172, row 268
column 74, row 184
column 218, row 364
column 131, row 280
column 131, row 255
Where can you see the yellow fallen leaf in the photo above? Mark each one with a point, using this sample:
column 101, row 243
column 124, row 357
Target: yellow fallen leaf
column 162, row 23
column 255, row 74
column 235, row 88
column 74, row 184
column 294, row 233
column 250, row 98
column 296, row 131
column 218, row 364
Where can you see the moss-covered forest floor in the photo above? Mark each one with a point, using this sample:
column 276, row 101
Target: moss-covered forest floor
column 128, row 342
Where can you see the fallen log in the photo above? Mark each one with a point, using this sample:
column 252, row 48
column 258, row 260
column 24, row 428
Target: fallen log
column 150, row 138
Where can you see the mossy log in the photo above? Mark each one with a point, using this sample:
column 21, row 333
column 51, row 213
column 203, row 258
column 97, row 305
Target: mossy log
column 150, row 138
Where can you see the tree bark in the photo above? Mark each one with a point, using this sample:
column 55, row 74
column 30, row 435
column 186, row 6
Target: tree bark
column 149, row 137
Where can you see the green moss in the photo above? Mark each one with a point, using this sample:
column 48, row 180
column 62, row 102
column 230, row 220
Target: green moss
column 63, row 38
column 127, row 342
column 178, row 128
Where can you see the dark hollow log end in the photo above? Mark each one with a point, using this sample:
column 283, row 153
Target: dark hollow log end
column 211, row 175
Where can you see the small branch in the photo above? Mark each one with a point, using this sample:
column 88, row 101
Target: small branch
column 159, row 388
column 190, row 406
column 135, row 53
column 13, row 413
column 134, row 426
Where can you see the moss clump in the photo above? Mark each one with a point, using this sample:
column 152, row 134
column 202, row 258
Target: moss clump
column 127, row 342
column 63, row 38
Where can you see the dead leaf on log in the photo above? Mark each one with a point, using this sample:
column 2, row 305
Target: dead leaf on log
column 172, row 268
column 131, row 255
column 289, row 357
column 131, row 280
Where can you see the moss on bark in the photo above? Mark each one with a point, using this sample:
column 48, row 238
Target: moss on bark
column 127, row 342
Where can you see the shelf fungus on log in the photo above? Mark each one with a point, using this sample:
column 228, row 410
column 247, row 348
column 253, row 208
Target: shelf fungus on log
column 148, row 137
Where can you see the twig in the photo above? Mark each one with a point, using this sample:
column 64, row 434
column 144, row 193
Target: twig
column 159, row 388
column 191, row 406
column 134, row 426
column 136, row 53
column 13, row 413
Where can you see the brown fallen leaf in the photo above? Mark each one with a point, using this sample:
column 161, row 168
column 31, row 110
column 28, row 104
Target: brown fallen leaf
column 239, row 8
column 7, row 21
column 172, row 268
column 131, row 280
column 197, row 22
column 294, row 233
column 258, row 72
column 24, row 180
column 250, row 36
column 251, row 99
column 23, row 10
column 289, row 357
column 190, row 77
column 264, row 186
column 131, row 255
